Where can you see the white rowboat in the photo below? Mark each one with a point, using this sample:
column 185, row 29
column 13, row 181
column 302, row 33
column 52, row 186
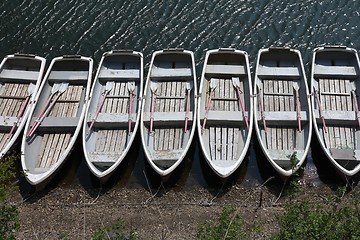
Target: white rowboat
column 225, row 111
column 113, row 112
column 168, row 115
column 56, row 118
column 335, row 86
column 282, row 109
column 20, row 78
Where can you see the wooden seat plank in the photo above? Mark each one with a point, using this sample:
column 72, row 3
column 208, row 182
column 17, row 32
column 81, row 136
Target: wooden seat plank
column 19, row 75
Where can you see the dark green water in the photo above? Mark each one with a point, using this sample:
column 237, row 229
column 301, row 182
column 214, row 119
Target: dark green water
column 51, row 28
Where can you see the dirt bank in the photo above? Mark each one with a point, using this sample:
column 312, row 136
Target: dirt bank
column 71, row 212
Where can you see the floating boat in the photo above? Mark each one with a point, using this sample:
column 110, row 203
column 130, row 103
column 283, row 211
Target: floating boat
column 168, row 115
column 56, row 118
column 282, row 109
column 113, row 112
column 335, row 88
column 225, row 109
column 20, row 78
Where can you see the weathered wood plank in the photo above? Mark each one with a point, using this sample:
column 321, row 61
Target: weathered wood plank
column 3, row 139
column 212, row 142
column 99, row 142
column 218, row 143
column 236, row 147
column 47, row 151
column 41, row 151
column 230, row 143
column 6, row 102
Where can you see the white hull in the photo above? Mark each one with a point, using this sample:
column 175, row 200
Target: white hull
column 108, row 141
column 335, row 85
column 169, row 92
column 225, row 115
column 45, row 148
column 282, row 109
column 20, row 78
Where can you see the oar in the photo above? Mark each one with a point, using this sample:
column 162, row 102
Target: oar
column 188, row 90
column 236, row 84
column 262, row 106
column 298, row 106
column 153, row 88
column 316, row 92
column 108, row 86
column 54, row 90
column 62, row 88
column 131, row 89
column 24, row 105
column 353, row 91
column 208, row 105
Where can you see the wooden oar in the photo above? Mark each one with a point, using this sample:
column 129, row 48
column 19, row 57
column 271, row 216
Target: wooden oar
column 262, row 105
column 131, row 89
column 188, row 91
column 108, row 86
column 24, row 105
column 153, row 88
column 298, row 106
column 62, row 88
column 208, row 105
column 316, row 92
column 353, row 91
column 236, row 84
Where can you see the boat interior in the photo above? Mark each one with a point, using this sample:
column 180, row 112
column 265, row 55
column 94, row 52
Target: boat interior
column 279, row 83
column 65, row 87
column 118, row 79
column 17, row 80
column 225, row 131
column 171, row 86
column 336, row 87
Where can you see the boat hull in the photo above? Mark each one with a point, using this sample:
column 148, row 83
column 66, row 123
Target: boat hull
column 168, row 115
column 56, row 119
column 20, row 78
column 116, row 97
column 225, row 110
column 335, row 86
column 282, row 109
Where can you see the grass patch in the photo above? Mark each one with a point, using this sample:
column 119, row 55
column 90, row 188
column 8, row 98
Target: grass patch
column 117, row 231
column 228, row 227
column 306, row 220
column 9, row 214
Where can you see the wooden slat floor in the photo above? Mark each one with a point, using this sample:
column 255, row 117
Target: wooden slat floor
column 12, row 96
column 339, row 137
column 279, row 96
column 54, row 144
column 225, row 142
column 117, row 102
column 170, row 97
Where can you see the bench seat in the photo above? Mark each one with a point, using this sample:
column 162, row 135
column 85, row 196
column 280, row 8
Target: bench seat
column 19, row 75
column 337, row 117
column 168, row 118
column 279, row 72
column 171, row 73
column 6, row 123
column 225, row 118
column 322, row 71
column 112, row 120
column 59, row 76
column 285, row 118
column 119, row 74
column 225, row 70
column 57, row 123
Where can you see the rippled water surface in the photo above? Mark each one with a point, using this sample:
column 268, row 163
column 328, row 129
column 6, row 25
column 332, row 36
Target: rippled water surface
column 89, row 27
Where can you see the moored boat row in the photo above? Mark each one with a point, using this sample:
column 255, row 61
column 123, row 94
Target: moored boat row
column 277, row 103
